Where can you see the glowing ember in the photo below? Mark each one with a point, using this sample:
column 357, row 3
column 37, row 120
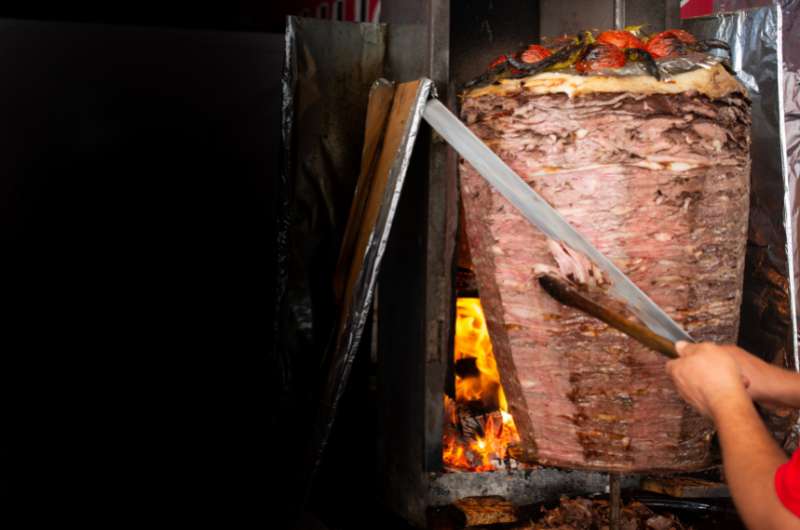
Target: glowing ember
column 478, row 427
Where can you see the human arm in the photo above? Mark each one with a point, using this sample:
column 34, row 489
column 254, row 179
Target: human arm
column 769, row 384
column 710, row 379
column 751, row 457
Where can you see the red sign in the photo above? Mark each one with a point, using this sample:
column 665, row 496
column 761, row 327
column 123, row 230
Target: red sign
column 696, row 8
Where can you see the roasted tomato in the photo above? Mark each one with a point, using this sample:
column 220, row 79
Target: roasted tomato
column 502, row 59
column 621, row 39
column 668, row 42
column 534, row 54
column 600, row 56
column 498, row 61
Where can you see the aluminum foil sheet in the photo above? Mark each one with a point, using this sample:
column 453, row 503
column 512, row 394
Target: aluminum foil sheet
column 769, row 325
column 328, row 71
column 330, row 68
column 348, row 333
column 791, row 24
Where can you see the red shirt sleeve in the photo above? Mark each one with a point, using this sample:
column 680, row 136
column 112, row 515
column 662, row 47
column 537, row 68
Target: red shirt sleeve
column 787, row 484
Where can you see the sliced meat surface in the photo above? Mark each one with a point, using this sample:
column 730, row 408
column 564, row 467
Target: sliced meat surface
column 659, row 184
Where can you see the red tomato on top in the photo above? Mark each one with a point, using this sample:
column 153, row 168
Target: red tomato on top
column 534, row 54
column 668, row 42
column 684, row 36
column 621, row 39
column 600, row 56
column 500, row 59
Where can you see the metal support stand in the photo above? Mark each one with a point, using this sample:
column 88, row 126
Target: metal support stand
column 619, row 14
column 614, row 501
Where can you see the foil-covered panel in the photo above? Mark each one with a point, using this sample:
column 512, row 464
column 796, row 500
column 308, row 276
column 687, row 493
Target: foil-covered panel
column 768, row 310
column 765, row 59
column 384, row 195
column 328, row 71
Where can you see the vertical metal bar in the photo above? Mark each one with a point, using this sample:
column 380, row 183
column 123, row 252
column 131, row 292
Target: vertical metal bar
column 442, row 208
column 614, row 501
column 619, row 14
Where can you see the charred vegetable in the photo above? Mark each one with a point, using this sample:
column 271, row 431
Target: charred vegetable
column 563, row 57
column 600, row 56
column 679, row 42
column 520, row 65
column 589, row 54
column 636, row 55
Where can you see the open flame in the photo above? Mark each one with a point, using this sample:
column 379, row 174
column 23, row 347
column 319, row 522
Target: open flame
column 478, row 427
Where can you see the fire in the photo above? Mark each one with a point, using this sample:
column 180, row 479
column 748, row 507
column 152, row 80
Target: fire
column 480, row 400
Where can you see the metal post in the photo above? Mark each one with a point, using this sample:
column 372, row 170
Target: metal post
column 619, row 14
column 614, row 501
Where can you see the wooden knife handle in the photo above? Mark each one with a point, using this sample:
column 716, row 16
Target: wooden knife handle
column 568, row 295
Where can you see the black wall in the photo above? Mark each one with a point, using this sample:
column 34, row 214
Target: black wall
column 480, row 31
column 232, row 15
column 138, row 169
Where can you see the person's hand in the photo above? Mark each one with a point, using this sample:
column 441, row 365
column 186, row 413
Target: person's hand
column 706, row 375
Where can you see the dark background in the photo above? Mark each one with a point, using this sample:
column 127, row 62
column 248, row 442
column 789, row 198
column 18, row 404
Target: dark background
column 139, row 155
column 236, row 15
column 139, row 164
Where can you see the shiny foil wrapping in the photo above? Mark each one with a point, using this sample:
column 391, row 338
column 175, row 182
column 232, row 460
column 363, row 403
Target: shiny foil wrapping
column 329, row 69
column 766, row 58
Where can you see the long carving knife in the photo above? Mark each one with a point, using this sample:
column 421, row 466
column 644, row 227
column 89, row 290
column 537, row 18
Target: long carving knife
column 546, row 218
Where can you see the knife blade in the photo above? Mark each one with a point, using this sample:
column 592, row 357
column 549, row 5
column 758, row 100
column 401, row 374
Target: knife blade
column 539, row 213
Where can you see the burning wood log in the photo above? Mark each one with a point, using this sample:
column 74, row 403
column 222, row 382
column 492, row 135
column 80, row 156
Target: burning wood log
column 482, row 511
column 686, row 487
column 478, row 428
